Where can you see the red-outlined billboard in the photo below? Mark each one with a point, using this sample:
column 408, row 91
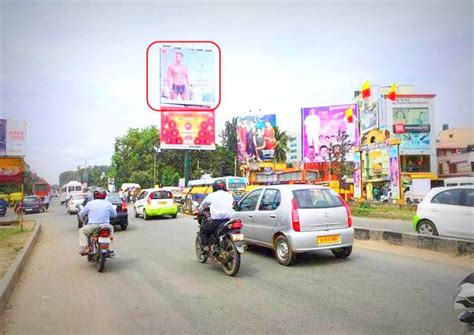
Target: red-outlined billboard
column 183, row 75
column 188, row 130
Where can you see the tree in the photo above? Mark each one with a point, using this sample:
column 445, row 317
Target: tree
column 229, row 135
column 338, row 164
column 281, row 145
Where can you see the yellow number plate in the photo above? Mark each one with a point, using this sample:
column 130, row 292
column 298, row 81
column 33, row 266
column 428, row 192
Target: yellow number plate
column 329, row 239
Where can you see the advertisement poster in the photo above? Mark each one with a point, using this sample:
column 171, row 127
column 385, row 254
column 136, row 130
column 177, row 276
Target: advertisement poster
column 411, row 116
column 394, row 173
column 188, row 77
column 16, row 138
column 11, row 170
column 319, row 129
column 414, row 141
column 3, row 137
column 187, row 130
column 357, row 176
column 368, row 119
column 256, row 138
column 382, row 112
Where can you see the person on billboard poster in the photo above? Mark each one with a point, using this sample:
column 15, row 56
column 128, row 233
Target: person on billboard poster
column 311, row 156
column 242, row 132
column 400, row 117
column 394, row 172
column 178, row 79
column 259, row 143
column 249, row 140
column 269, row 135
column 324, row 153
column 422, row 118
column 312, row 126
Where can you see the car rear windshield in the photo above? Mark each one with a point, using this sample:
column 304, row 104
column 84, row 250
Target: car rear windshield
column 30, row 200
column 79, row 196
column 114, row 198
column 317, row 198
column 161, row 195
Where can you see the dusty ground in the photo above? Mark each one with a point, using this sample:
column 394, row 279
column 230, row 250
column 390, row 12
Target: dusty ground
column 12, row 241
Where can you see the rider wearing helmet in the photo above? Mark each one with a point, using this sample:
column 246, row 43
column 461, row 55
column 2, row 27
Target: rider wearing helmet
column 99, row 212
column 220, row 202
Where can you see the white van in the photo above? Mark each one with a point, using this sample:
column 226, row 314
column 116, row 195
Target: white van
column 67, row 190
column 458, row 181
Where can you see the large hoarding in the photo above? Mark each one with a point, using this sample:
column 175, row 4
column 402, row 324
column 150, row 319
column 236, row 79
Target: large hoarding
column 319, row 128
column 11, row 170
column 188, row 77
column 188, row 130
column 3, row 137
column 256, row 138
column 412, row 127
column 16, row 138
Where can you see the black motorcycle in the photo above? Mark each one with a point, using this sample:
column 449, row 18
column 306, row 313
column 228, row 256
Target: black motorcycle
column 99, row 250
column 226, row 244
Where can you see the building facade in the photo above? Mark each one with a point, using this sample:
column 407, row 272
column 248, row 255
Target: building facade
column 455, row 151
column 293, row 154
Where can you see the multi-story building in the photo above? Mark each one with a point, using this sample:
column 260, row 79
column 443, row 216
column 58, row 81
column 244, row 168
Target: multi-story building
column 293, row 154
column 455, row 151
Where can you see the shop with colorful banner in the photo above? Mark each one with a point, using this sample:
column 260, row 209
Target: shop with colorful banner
column 256, row 138
column 11, row 170
column 188, row 130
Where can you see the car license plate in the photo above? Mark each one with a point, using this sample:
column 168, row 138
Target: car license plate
column 104, row 240
column 237, row 237
column 162, row 202
column 328, row 239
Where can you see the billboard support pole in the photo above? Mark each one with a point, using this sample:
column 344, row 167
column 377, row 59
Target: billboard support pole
column 186, row 167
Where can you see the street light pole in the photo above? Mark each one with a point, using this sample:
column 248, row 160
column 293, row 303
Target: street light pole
column 85, row 175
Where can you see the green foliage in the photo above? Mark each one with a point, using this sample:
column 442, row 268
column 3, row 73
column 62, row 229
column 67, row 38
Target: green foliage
column 339, row 166
column 92, row 175
column 281, row 145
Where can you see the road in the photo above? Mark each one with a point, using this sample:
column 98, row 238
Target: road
column 399, row 226
column 155, row 285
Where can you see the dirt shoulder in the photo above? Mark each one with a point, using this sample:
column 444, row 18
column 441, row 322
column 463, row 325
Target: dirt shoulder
column 12, row 240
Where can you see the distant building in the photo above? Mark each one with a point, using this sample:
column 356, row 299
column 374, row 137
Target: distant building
column 293, row 154
column 455, row 150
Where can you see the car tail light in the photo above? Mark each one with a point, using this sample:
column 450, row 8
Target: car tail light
column 295, row 218
column 104, row 233
column 348, row 211
column 123, row 208
column 237, row 224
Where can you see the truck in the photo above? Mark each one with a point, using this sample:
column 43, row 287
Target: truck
column 417, row 190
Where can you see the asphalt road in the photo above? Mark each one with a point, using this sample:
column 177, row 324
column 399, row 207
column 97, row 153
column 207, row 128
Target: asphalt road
column 155, row 285
column 399, row 226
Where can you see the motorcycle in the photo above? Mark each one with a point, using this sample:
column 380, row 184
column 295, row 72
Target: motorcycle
column 99, row 251
column 226, row 244
column 464, row 301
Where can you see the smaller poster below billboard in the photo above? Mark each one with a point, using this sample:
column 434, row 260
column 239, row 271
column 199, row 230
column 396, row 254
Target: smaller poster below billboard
column 256, row 138
column 394, row 173
column 187, row 130
column 16, row 138
column 357, row 176
column 3, row 137
column 11, row 170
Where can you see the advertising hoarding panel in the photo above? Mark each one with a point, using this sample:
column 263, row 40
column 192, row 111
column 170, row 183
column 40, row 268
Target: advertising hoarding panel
column 357, row 176
column 394, row 173
column 3, row 137
column 256, row 138
column 11, row 170
column 16, row 138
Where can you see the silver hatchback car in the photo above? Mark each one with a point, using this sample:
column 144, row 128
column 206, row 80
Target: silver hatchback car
column 292, row 219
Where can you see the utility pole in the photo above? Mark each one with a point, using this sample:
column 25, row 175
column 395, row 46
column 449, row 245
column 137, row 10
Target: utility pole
column 156, row 151
column 85, row 175
column 186, row 167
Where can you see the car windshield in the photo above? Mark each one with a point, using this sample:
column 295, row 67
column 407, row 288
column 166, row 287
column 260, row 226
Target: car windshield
column 161, row 195
column 317, row 198
column 237, row 186
column 114, row 198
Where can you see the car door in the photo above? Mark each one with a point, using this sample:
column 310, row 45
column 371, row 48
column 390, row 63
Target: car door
column 467, row 222
column 265, row 218
column 445, row 211
column 246, row 210
column 140, row 203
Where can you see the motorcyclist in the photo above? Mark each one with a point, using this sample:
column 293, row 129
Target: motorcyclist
column 99, row 212
column 220, row 202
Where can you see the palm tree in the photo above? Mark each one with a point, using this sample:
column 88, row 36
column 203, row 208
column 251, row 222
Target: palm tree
column 281, row 145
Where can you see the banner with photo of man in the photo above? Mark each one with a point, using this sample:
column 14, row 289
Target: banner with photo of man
column 189, row 77
column 256, row 138
column 320, row 127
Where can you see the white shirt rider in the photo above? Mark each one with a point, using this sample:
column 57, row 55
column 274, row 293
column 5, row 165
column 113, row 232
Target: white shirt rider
column 221, row 205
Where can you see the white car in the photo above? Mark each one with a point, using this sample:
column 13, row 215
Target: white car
column 74, row 202
column 447, row 211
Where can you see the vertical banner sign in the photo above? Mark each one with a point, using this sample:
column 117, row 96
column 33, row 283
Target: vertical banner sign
column 16, row 138
column 188, row 130
column 357, row 176
column 394, row 173
column 3, row 137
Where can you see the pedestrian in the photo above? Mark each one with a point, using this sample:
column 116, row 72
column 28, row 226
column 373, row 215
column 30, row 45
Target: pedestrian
column 46, row 200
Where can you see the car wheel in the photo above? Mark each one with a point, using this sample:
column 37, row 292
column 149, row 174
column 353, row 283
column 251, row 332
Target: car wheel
column 426, row 227
column 145, row 216
column 124, row 226
column 174, row 216
column 342, row 252
column 283, row 252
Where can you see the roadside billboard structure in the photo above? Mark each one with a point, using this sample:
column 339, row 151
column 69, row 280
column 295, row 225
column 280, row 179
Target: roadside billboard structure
column 16, row 138
column 188, row 130
column 256, row 138
column 11, row 170
column 3, row 137
column 319, row 129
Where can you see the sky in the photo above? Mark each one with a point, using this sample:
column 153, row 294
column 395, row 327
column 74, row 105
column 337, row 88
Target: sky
column 76, row 70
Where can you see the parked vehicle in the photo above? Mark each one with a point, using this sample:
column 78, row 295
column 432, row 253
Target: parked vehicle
column 3, row 208
column 293, row 219
column 31, row 204
column 226, row 244
column 155, row 202
column 464, row 302
column 41, row 189
column 418, row 189
column 446, row 211
column 67, row 190
column 459, row 181
column 73, row 203
column 99, row 247
column 120, row 206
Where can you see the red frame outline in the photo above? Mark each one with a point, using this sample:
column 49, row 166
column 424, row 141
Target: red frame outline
column 190, row 109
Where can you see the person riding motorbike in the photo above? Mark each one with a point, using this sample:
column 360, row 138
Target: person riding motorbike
column 220, row 202
column 99, row 211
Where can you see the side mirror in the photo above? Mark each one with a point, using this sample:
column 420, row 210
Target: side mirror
column 236, row 206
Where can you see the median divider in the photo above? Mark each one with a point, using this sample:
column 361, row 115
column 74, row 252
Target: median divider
column 12, row 276
column 434, row 243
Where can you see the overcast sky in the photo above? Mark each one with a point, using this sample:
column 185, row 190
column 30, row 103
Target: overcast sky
column 76, row 71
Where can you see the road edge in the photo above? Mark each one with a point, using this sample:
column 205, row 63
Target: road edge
column 435, row 243
column 12, row 276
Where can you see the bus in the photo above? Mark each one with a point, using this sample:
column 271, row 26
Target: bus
column 41, row 189
column 201, row 187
